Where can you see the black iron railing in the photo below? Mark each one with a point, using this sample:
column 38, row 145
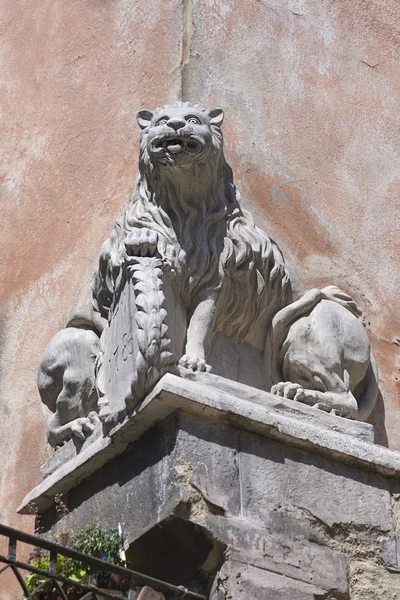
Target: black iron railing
column 58, row 582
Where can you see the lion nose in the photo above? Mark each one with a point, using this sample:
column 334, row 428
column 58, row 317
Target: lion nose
column 176, row 123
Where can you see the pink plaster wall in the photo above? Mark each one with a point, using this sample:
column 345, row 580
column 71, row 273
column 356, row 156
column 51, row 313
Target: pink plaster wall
column 311, row 89
column 72, row 76
column 312, row 94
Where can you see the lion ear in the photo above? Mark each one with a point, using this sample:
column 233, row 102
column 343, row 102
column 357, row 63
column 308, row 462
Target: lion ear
column 216, row 116
column 144, row 118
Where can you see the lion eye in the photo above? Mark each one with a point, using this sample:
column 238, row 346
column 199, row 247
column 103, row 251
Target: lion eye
column 162, row 121
column 193, row 120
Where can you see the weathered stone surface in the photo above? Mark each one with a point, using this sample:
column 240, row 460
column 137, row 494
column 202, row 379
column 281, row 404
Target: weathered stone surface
column 288, row 553
column 174, row 260
column 272, row 475
column 185, row 211
column 147, row 593
column 174, row 393
column 183, row 232
column 211, row 462
column 312, row 136
column 313, row 93
column 321, row 354
column 73, row 75
column 245, row 581
column 271, row 519
column 289, row 408
column 391, row 552
column 66, row 383
column 143, row 489
column 237, row 362
column 68, row 452
column 372, row 582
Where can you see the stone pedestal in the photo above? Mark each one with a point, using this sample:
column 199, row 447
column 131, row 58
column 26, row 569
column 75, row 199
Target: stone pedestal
column 238, row 494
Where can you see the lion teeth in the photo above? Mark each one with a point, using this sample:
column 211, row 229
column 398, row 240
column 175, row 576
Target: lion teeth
column 174, row 146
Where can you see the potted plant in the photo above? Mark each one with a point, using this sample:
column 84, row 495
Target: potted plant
column 94, row 541
column 106, row 545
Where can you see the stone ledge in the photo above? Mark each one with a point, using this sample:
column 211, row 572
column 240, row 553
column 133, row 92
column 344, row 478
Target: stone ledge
column 242, row 407
column 288, row 408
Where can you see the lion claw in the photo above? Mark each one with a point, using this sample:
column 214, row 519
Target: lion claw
column 289, row 390
column 194, row 363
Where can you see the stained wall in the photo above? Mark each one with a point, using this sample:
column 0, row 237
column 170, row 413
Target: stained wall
column 311, row 89
column 72, row 76
column 312, row 92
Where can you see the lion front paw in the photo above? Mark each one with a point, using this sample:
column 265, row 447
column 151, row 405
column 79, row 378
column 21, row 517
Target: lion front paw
column 289, row 390
column 141, row 241
column 194, row 364
column 83, row 427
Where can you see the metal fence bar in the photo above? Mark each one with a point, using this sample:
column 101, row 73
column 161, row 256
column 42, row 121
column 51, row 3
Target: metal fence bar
column 20, row 579
column 25, row 567
column 12, row 546
column 4, row 568
column 60, row 590
column 14, row 535
column 53, row 562
column 93, row 563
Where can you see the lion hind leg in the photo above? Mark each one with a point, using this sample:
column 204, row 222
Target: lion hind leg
column 319, row 388
column 66, row 383
column 341, row 404
column 79, row 428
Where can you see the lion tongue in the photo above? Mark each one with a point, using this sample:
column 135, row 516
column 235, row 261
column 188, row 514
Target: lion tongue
column 174, row 147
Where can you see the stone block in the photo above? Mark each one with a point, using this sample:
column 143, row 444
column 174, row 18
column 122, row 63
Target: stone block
column 147, row 593
column 391, row 552
column 223, row 402
column 245, row 582
column 69, row 451
column 209, row 451
column 287, row 502
column 288, row 553
column 276, row 475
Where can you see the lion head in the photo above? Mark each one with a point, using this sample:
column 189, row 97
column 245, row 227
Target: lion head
column 185, row 192
column 179, row 134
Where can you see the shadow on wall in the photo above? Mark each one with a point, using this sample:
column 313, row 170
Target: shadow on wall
column 377, row 419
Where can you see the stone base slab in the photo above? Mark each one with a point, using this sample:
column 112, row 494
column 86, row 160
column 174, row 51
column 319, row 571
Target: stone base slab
column 223, row 401
column 238, row 494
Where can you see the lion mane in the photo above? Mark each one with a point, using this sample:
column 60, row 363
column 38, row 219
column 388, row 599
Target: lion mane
column 208, row 242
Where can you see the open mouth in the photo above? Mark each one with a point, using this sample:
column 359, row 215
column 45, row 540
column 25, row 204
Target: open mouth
column 176, row 145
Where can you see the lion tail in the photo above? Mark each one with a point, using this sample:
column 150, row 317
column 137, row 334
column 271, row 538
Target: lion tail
column 281, row 324
column 331, row 292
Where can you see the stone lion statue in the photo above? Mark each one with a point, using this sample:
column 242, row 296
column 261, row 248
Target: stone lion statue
column 227, row 273
column 184, row 262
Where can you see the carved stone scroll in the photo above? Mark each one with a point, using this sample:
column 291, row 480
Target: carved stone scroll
column 136, row 344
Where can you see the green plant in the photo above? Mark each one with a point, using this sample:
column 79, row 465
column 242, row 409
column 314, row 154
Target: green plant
column 65, row 566
column 99, row 543
column 32, row 580
column 93, row 540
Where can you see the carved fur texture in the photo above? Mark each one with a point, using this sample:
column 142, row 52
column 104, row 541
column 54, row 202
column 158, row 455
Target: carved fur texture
column 186, row 196
column 66, row 384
